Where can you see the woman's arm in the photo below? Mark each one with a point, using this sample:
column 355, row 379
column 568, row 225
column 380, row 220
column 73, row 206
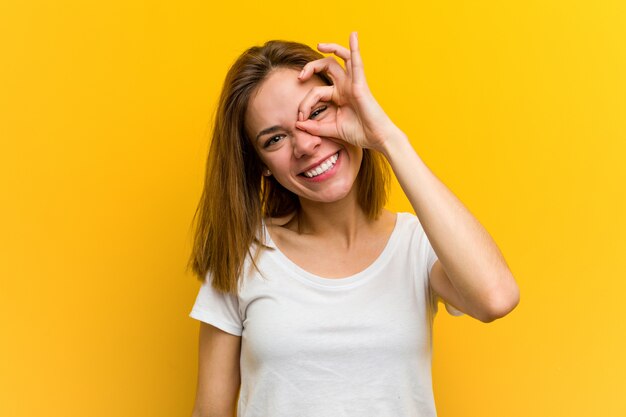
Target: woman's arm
column 473, row 276
column 471, row 273
column 218, row 373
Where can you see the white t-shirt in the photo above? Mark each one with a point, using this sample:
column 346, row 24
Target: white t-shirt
column 325, row 347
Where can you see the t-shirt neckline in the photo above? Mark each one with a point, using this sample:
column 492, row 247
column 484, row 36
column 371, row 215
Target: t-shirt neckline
column 349, row 281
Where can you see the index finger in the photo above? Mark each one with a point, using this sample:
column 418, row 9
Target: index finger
column 327, row 65
column 340, row 51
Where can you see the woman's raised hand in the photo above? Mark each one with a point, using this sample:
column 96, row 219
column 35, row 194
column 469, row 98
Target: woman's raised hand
column 359, row 119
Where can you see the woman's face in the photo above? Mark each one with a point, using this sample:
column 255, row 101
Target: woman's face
column 314, row 168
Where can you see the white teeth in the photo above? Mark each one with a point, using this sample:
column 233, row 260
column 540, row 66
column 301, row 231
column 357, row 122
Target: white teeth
column 323, row 167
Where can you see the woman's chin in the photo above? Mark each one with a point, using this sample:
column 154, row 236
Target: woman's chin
column 335, row 194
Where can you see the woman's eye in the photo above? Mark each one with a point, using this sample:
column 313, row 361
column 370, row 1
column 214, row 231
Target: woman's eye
column 273, row 140
column 317, row 112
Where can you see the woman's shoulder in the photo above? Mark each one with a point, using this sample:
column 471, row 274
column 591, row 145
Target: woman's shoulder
column 401, row 218
column 407, row 222
column 407, row 217
column 387, row 222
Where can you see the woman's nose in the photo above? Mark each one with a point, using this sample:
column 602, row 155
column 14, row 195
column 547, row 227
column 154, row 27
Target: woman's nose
column 305, row 143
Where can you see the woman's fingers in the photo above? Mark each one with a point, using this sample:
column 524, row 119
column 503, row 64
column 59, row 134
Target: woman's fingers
column 349, row 87
column 327, row 65
column 340, row 51
column 312, row 98
column 358, row 74
column 351, row 57
column 319, row 128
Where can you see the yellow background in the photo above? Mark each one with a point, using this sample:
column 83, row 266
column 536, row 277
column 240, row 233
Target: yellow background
column 518, row 106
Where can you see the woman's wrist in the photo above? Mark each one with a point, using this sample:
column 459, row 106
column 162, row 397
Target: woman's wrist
column 394, row 139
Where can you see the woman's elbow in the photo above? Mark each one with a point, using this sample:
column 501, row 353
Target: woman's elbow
column 504, row 301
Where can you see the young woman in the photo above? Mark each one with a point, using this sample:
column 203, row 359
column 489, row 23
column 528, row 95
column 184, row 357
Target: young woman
column 316, row 301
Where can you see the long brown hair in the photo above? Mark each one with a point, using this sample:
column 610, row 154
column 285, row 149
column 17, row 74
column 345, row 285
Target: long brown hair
column 236, row 196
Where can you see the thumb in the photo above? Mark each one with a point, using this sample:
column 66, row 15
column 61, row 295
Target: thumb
column 327, row 129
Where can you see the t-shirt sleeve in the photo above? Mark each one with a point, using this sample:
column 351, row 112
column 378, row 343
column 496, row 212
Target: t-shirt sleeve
column 431, row 258
column 217, row 309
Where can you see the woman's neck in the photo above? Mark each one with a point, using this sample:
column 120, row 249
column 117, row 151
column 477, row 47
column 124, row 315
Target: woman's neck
column 342, row 220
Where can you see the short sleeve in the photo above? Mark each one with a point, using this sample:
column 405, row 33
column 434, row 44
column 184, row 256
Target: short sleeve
column 431, row 258
column 217, row 309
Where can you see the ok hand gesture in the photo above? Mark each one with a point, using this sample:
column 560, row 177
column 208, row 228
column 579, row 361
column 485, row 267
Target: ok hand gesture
column 360, row 120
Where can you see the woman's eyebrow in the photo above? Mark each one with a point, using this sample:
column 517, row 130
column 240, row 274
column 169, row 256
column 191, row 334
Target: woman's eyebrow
column 268, row 131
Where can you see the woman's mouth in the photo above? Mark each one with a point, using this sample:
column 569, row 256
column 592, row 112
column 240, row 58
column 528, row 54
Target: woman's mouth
column 323, row 167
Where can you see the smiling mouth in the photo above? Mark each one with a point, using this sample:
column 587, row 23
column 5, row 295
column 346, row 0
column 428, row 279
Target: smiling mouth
column 323, row 167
